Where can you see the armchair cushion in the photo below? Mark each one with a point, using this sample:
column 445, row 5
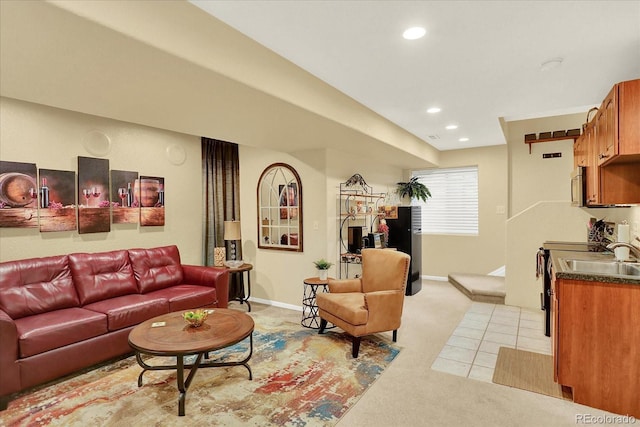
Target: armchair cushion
column 350, row 307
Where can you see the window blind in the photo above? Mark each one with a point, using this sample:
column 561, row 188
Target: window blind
column 453, row 207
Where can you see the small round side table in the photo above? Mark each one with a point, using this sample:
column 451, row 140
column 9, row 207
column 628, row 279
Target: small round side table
column 310, row 317
column 243, row 297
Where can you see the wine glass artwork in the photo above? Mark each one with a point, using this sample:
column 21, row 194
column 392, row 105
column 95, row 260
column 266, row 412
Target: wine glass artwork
column 33, row 193
column 95, row 192
column 122, row 193
column 87, row 195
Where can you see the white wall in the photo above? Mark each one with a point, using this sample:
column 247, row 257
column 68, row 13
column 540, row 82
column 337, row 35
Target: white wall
column 539, row 195
column 481, row 254
column 531, row 177
column 547, row 221
column 53, row 139
column 278, row 275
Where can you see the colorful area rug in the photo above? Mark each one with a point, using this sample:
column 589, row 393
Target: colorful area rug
column 300, row 378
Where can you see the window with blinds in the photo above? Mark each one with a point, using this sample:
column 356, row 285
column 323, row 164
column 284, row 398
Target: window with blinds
column 453, row 207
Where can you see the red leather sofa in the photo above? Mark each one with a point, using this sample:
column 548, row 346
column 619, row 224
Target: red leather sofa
column 63, row 313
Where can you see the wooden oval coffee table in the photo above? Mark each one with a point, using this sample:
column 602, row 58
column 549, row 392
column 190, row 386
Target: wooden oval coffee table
column 170, row 335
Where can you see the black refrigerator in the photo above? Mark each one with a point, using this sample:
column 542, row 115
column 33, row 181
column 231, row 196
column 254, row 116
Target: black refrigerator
column 405, row 236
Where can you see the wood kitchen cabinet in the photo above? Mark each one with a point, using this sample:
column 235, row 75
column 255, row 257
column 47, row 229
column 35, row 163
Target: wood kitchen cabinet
column 580, row 152
column 611, row 146
column 595, row 338
column 618, row 123
column 606, row 123
column 592, row 171
column 629, row 119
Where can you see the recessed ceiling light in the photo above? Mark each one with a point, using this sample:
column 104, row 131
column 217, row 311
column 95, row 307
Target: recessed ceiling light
column 433, row 110
column 463, row 139
column 551, row 64
column 414, row 33
column 451, row 127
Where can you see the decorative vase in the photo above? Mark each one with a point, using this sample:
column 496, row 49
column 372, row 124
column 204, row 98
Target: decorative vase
column 323, row 274
column 405, row 201
column 219, row 256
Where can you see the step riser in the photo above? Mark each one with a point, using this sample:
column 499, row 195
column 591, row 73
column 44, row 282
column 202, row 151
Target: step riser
column 476, row 295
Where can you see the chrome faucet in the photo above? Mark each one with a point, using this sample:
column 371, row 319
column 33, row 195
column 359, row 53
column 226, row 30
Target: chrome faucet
column 635, row 251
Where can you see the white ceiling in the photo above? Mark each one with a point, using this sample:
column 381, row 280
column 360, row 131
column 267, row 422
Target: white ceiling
column 480, row 60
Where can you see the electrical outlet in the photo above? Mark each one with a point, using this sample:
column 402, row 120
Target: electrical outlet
column 500, row 210
column 316, row 225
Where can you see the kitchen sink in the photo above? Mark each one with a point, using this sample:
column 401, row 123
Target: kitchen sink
column 607, row 268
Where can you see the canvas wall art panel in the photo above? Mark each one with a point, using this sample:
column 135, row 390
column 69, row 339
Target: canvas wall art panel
column 125, row 206
column 57, row 200
column 18, row 195
column 93, row 195
column 151, row 197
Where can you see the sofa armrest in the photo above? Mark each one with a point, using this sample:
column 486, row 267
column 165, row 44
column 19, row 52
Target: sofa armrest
column 344, row 285
column 8, row 355
column 209, row 276
column 385, row 309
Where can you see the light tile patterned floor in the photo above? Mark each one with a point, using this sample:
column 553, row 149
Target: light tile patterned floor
column 472, row 349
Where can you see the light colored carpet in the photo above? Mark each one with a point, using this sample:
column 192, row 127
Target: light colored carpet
column 300, row 379
column 527, row 371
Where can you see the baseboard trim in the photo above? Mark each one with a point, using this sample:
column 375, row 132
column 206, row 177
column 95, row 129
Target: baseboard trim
column 436, row 278
column 276, row 304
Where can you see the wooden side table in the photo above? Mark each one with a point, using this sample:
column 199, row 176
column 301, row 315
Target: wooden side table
column 310, row 317
column 244, row 298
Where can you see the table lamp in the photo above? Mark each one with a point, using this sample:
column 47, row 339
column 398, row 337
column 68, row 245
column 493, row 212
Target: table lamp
column 232, row 233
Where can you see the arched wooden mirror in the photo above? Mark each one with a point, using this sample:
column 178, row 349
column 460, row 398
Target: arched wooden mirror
column 280, row 208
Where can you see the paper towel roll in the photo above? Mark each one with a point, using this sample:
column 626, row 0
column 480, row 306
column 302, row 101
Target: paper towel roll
column 623, row 233
column 622, row 254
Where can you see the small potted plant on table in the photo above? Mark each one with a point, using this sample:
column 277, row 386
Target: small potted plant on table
column 323, row 267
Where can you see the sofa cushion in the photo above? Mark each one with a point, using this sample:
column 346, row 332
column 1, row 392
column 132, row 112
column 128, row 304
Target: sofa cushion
column 156, row 268
column 349, row 307
column 32, row 286
column 129, row 310
column 103, row 275
column 46, row 331
column 183, row 297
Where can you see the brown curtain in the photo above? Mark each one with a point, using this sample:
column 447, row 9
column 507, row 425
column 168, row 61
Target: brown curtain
column 221, row 198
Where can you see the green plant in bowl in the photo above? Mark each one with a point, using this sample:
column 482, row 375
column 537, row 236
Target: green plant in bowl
column 195, row 318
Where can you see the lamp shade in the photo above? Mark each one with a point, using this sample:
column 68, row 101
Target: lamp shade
column 232, row 230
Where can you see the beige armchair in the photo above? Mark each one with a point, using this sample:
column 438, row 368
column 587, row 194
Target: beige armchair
column 371, row 303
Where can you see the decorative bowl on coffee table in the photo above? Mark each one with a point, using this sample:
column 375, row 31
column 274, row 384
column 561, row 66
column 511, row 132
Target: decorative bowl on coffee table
column 195, row 318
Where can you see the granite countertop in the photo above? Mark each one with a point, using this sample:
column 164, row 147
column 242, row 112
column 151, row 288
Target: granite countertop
column 561, row 273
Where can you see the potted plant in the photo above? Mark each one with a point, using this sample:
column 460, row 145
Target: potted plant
column 323, row 267
column 413, row 189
